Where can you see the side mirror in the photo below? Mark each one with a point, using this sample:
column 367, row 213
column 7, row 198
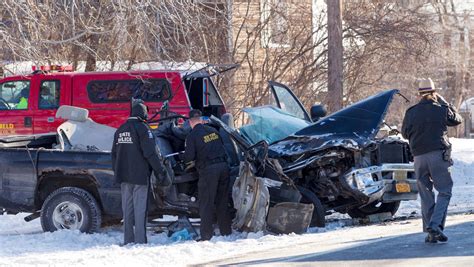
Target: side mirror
column 317, row 111
column 166, row 105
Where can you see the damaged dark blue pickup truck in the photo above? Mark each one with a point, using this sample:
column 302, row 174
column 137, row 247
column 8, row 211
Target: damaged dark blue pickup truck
column 337, row 163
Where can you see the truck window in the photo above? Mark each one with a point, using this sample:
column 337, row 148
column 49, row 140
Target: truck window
column 49, row 95
column 14, row 95
column 116, row 91
column 202, row 93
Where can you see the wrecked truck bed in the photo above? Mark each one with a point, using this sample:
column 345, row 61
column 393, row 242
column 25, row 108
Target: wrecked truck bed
column 66, row 178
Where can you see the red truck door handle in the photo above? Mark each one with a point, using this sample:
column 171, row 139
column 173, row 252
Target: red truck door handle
column 28, row 121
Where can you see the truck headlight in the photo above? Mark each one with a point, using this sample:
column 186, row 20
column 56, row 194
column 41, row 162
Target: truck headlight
column 360, row 180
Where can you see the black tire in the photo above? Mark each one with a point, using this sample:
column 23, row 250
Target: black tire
column 374, row 208
column 74, row 208
column 319, row 212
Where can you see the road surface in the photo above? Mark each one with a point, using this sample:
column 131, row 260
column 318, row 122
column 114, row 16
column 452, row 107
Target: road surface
column 390, row 244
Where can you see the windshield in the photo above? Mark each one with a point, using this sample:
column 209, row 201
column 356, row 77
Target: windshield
column 270, row 124
column 14, row 95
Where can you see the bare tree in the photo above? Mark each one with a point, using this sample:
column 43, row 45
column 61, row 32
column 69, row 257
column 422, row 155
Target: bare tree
column 111, row 31
column 387, row 44
column 272, row 40
column 454, row 56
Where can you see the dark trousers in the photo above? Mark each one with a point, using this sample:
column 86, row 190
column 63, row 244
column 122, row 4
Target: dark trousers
column 213, row 189
column 432, row 171
column 134, row 207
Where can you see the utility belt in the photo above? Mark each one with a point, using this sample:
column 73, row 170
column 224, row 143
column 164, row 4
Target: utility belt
column 447, row 155
column 447, row 151
column 208, row 162
column 216, row 160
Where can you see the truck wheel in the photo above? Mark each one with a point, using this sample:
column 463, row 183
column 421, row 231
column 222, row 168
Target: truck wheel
column 374, row 208
column 70, row 208
column 319, row 213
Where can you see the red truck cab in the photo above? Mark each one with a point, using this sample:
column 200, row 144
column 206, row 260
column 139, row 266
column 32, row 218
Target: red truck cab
column 28, row 103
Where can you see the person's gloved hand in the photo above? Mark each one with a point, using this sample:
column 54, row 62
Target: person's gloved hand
column 190, row 166
column 393, row 132
column 441, row 100
column 162, row 178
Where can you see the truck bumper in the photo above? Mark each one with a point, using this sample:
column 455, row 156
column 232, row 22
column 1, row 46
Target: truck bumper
column 386, row 182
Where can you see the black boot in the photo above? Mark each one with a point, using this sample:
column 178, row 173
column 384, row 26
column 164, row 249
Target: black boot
column 438, row 234
column 430, row 238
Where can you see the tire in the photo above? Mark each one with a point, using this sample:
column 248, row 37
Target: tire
column 70, row 208
column 374, row 208
column 319, row 213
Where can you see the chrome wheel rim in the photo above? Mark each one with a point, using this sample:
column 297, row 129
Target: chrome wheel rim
column 68, row 215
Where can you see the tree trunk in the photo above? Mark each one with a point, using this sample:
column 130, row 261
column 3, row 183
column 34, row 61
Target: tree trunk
column 91, row 59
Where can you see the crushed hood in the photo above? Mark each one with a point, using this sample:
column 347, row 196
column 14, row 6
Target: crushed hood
column 353, row 127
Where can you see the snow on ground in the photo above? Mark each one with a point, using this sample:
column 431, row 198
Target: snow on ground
column 24, row 243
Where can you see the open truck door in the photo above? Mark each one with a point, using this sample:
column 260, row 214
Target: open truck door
column 287, row 101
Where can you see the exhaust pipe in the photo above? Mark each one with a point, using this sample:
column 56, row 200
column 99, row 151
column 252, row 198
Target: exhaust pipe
column 32, row 216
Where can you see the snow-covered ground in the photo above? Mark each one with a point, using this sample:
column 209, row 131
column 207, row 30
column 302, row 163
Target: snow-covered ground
column 24, row 243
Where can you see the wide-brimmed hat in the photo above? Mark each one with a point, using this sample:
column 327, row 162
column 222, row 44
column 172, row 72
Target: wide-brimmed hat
column 425, row 86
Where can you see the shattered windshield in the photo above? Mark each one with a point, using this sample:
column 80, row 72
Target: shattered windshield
column 270, row 124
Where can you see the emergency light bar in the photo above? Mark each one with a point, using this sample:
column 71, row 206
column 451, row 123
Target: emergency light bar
column 53, row 68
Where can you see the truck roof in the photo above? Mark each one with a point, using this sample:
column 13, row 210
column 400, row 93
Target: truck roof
column 131, row 73
column 98, row 73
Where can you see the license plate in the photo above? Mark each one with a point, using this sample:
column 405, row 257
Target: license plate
column 399, row 175
column 402, row 188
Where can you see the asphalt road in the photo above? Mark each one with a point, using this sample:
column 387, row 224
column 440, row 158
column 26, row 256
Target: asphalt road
column 406, row 247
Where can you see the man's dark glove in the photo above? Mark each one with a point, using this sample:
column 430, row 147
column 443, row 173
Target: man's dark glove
column 454, row 118
column 190, row 166
column 393, row 132
column 442, row 101
column 162, row 178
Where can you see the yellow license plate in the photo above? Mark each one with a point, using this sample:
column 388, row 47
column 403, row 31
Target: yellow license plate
column 402, row 188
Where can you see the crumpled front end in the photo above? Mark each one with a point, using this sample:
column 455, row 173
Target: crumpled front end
column 387, row 182
column 251, row 200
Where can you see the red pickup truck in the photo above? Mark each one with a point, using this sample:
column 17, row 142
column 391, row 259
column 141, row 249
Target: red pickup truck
column 28, row 103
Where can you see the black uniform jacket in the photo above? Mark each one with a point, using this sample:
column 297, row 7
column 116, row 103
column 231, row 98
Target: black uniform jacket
column 204, row 146
column 426, row 126
column 134, row 153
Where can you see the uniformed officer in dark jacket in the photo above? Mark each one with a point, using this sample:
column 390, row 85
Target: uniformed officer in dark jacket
column 425, row 126
column 204, row 146
column 134, row 157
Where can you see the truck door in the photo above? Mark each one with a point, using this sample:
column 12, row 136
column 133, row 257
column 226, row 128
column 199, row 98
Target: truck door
column 16, row 115
column 286, row 100
column 19, row 178
column 50, row 94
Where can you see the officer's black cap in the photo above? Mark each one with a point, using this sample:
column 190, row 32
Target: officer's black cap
column 195, row 113
column 139, row 109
